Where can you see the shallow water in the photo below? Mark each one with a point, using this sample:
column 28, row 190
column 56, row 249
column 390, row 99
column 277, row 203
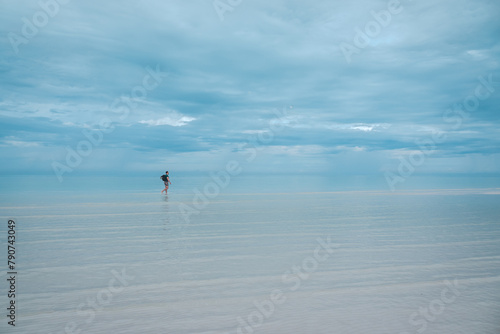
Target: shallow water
column 317, row 262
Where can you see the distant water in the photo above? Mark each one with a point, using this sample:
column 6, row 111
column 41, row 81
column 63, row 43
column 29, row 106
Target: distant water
column 184, row 183
column 111, row 255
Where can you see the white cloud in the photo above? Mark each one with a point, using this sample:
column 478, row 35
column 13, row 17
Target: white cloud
column 350, row 148
column 254, row 132
column 478, row 54
column 169, row 120
column 358, row 127
column 295, row 150
column 19, row 143
column 364, row 128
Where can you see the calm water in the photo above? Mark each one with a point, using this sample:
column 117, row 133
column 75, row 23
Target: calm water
column 118, row 257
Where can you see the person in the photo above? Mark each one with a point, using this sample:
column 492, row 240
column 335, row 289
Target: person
column 166, row 180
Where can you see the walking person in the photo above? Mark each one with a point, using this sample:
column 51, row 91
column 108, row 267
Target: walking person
column 166, row 180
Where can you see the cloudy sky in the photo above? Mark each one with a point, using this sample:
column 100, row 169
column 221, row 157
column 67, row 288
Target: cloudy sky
column 346, row 87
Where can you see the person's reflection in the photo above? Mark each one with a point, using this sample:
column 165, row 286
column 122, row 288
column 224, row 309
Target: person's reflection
column 174, row 246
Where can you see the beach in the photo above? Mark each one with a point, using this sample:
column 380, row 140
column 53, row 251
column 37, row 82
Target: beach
column 311, row 262
column 333, row 167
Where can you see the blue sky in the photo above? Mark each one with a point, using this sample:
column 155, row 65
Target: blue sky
column 273, row 76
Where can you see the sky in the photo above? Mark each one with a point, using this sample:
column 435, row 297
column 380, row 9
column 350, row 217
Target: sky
column 383, row 88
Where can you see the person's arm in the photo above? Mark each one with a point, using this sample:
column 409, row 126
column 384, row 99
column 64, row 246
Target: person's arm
column 168, row 180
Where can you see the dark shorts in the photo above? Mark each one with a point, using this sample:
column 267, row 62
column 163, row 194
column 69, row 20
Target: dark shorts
column 165, row 183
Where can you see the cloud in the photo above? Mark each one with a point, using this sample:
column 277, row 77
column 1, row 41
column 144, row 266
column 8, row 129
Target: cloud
column 227, row 81
column 253, row 132
column 172, row 121
column 19, row 143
